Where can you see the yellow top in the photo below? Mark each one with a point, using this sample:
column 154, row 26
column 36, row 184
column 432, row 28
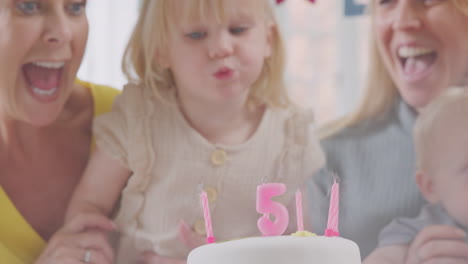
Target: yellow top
column 19, row 242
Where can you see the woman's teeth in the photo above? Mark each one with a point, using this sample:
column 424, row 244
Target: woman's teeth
column 49, row 65
column 408, row 52
column 415, row 61
column 39, row 91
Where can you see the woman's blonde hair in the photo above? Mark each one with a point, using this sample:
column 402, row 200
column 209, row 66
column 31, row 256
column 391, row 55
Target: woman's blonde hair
column 380, row 91
column 7, row 94
column 150, row 38
column 453, row 102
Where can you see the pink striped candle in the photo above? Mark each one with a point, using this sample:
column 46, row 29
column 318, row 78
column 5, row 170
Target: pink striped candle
column 206, row 215
column 333, row 211
column 300, row 217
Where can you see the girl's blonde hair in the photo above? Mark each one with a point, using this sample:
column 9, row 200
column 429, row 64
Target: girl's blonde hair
column 150, row 38
column 453, row 102
column 380, row 90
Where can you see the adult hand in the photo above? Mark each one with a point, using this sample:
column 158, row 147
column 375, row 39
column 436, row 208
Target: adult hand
column 439, row 244
column 186, row 236
column 82, row 240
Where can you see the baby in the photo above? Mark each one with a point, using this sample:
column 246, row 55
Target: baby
column 439, row 232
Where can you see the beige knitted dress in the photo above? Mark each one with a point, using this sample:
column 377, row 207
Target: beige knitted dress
column 170, row 161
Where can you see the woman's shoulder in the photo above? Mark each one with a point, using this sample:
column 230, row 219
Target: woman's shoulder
column 103, row 96
column 370, row 144
column 365, row 132
column 355, row 141
column 395, row 122
column 99, row 90
column 301, row 122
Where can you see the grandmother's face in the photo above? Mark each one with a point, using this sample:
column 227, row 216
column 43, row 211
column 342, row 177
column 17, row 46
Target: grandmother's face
column 424, row 45
column 42, row 44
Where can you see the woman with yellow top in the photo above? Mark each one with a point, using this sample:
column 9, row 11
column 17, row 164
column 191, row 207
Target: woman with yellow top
column 45, row 131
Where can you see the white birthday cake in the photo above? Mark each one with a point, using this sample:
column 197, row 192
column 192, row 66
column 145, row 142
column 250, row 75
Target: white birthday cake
column 301, row 247
column 278, row 250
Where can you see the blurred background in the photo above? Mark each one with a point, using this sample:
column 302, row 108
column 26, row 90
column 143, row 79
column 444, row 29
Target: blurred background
column 326, row 41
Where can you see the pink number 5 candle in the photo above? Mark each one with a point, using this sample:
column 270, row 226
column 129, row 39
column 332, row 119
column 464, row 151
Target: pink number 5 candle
column 266, row 207
column 333, row 212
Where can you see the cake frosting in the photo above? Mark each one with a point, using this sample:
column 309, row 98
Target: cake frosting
column 299, row 249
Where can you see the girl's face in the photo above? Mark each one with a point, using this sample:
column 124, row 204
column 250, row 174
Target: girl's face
column 42, row 44
column 215, row 62
column 424, row 46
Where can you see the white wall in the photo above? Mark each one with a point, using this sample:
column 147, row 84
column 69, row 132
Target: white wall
column 110, row 22
column 327, row 55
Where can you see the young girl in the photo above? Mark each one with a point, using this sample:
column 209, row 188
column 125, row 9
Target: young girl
column 207, row 108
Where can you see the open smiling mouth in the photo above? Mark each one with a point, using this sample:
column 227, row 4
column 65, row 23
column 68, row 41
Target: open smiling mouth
column 416, row 60
column 43, row 77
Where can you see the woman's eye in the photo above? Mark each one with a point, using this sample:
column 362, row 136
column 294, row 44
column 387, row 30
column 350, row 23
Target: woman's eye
column 384, row 2
column 432, row 2
column 237, row 30
column 76, row 8
column 28, row 7
column 197, row 35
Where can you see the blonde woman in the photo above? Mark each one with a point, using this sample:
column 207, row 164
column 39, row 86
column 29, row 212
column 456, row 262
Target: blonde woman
column 206, row 107
column 441, row 144
column 419, row 48
column 45, row 128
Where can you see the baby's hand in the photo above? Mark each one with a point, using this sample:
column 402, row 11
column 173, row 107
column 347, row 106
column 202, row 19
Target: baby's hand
column 186, row 236
column 439, row 244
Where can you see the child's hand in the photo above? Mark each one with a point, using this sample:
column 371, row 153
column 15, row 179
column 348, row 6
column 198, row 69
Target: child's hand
column 83, row 233
column 186, row 236
column 439, row 244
